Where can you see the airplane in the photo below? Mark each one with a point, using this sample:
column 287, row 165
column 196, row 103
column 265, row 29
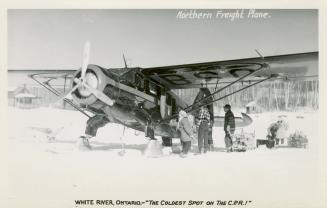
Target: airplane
column 143, row 98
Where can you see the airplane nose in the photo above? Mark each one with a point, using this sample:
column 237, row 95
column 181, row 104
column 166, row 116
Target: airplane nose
column 88, row 89
column 92, row 80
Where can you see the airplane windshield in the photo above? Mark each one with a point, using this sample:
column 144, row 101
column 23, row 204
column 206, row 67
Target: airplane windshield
column 127, row 74
column 120, row 71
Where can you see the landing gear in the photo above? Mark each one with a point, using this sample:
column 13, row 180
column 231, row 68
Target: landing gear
column 83, row 143
column 94, row 123
column 149, row 132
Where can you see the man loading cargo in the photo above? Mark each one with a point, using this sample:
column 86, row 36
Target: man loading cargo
column 276, row 132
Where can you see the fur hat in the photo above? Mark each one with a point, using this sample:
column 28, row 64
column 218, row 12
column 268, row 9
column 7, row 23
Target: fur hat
column 227, row 106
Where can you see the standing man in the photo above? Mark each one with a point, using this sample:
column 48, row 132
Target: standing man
column 229, row 127
column 203, row 123
column 185, row 128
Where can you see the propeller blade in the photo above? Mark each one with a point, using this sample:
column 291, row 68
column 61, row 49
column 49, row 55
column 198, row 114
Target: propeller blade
column 100, row 95
column 86, row 56
column 69, row 92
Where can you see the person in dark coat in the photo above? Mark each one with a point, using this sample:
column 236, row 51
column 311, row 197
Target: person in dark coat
column 229, row 127
column 186, row 130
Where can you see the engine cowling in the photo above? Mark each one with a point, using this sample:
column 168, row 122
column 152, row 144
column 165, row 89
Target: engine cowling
column 96, row 78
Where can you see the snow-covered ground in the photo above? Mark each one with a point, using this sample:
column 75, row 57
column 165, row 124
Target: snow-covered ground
column 54, row 173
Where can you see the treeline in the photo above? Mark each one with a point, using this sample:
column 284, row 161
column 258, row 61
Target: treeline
column 291, row 95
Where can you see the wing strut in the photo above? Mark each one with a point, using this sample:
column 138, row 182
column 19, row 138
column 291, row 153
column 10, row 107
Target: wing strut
column 189, row 108
column 221, row 89
column 54, row 91
column 237, row 91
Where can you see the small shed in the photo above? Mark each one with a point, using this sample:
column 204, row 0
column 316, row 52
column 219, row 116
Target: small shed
column 24, row 99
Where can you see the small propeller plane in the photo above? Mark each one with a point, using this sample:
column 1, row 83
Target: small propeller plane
column 143, row 98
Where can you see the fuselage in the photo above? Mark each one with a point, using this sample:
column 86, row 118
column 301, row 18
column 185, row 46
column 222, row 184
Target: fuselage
column 138, row 102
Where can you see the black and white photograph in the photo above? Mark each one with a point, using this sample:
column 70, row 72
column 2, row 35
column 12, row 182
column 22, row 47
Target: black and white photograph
column 163, row 108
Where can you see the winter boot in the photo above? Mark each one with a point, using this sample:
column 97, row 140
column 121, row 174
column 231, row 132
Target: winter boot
column 200, row 151
column 206, row 149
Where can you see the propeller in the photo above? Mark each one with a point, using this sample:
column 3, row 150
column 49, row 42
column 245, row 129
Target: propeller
column 86, row 57
column 81, row 82
column 68, row 93
column 100, row 95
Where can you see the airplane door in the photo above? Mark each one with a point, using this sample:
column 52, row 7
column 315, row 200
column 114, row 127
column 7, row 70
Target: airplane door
column 165, row 104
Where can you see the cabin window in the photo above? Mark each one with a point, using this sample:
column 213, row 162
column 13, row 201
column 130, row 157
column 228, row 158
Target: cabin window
column 152, row 88
column 171, row 104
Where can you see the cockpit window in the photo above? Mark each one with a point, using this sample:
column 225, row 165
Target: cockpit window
column 122, row 71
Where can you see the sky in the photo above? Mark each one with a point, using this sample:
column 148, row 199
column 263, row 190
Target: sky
column 54, row 39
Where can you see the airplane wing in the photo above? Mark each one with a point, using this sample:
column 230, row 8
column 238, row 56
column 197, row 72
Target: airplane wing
column 52, row 74
column 52, row 79
column 295, row 66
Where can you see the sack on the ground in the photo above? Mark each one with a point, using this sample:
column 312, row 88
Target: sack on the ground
column 298, row 139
